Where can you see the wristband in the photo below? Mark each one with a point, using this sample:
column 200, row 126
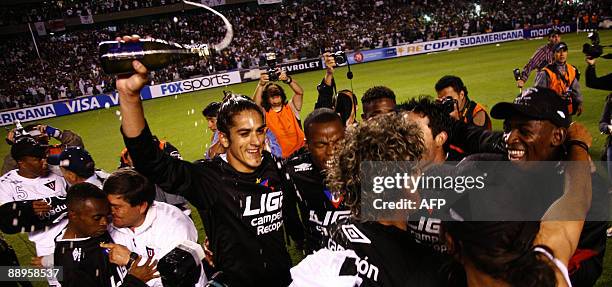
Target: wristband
column 578, row 143
column 289, row 80
column 133, row 257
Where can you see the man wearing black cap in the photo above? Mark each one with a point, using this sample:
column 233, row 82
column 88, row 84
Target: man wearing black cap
column 78, row 166
column 536, row 129
column 562, row 78
column 542, row 57
column 33, row 181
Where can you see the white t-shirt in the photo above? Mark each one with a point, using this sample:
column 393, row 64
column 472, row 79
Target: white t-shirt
column 14, row 187
column 165, row 226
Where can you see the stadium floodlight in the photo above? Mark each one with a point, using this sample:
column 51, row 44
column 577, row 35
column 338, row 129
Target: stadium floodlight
column 175, row 19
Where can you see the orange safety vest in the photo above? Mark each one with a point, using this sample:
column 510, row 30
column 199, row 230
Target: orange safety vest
column 472, row 110
column 561, row 83
column 287, row 130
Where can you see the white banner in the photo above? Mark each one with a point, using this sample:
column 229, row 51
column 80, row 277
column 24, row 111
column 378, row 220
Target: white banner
column 27, row 115
column 264, row 2
column 86, row 19
column 212, row 3
column 40, row 28
column 195, row 84
column 461, row 42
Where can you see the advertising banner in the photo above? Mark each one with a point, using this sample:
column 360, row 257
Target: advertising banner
column 543, row 31
column 27, row 114
column 195, row 84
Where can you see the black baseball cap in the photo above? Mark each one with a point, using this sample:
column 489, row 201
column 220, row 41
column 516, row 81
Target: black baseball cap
column 27, row 146
column 560, row 46
column 536, row 103
column 75, row 159
column 554, row 31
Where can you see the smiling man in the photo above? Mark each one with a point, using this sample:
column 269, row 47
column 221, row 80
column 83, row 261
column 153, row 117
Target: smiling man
column 240, row 195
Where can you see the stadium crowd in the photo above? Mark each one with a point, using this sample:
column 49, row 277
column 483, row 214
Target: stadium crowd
column 308, row 28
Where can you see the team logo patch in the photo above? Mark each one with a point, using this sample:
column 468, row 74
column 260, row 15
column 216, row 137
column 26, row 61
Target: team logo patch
column 51, row 185
column 303, row 167
column 334, row 201
column 76, row 254
column 150, row 252
column 355, row 235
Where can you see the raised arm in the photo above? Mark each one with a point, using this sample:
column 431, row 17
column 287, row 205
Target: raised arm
column 263, row 80
column 298, row 92
column 562, row 224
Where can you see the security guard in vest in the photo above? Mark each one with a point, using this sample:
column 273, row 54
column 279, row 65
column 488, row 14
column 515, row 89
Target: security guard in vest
column 562, row 78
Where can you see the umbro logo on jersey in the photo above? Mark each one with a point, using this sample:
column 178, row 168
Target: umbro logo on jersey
column 303, row 167
column 51, row 185
column 355, row 235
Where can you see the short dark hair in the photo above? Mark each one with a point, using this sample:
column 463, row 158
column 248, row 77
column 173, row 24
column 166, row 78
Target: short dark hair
column 451, row 81
column 439, row 119
column 211, row 110
column 232, row 106
column 133, row 187
column 79, row 193
column 377, row 92
column 265, row 96
column 318, row 116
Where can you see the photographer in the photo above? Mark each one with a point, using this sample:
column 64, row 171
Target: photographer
column 282, row 116
column 452, row 92
column 592, row 81
column 345, row 102
column 562, row 78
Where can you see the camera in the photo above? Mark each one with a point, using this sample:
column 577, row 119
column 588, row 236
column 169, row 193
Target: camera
column 271, row 71
column 593, row 50
column 448, row 104
column 339, row 57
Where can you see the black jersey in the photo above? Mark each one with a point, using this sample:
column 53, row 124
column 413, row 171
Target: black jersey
column 19, row 216
column 244, row 215
column 388, row 256
column 319, row 208
column 85, row 263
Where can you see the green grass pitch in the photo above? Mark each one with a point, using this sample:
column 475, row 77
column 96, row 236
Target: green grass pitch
column 486, row 71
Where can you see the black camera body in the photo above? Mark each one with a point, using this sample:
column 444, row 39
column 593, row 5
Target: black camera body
column 448, row 104
column 340, row 57
column 271, row 71
column 593, row 50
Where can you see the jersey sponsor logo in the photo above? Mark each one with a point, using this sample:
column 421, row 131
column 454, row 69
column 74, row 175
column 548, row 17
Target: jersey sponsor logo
column 51, row 185
column 117, row 279
column 303, row 167
column 329, row 218
column 353, row 234
column 150, row 252
column 427, row 231
column 269, row 217
column 365, row 268
column 76, row 254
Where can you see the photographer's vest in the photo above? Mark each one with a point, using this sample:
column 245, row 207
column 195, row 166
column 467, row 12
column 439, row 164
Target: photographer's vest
column 470, row 112
column 561, row 84
column 286, row 128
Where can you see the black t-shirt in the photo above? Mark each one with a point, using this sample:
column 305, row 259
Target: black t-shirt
column 388, row 256
column 318, row 206
column 244, row 215
column 85, row 263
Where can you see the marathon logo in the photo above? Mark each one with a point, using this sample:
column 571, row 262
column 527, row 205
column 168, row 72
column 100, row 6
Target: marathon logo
column 195, row 84
column 543, row 32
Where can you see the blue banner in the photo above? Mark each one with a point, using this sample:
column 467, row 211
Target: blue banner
column 371, row 55
column 543, row 31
